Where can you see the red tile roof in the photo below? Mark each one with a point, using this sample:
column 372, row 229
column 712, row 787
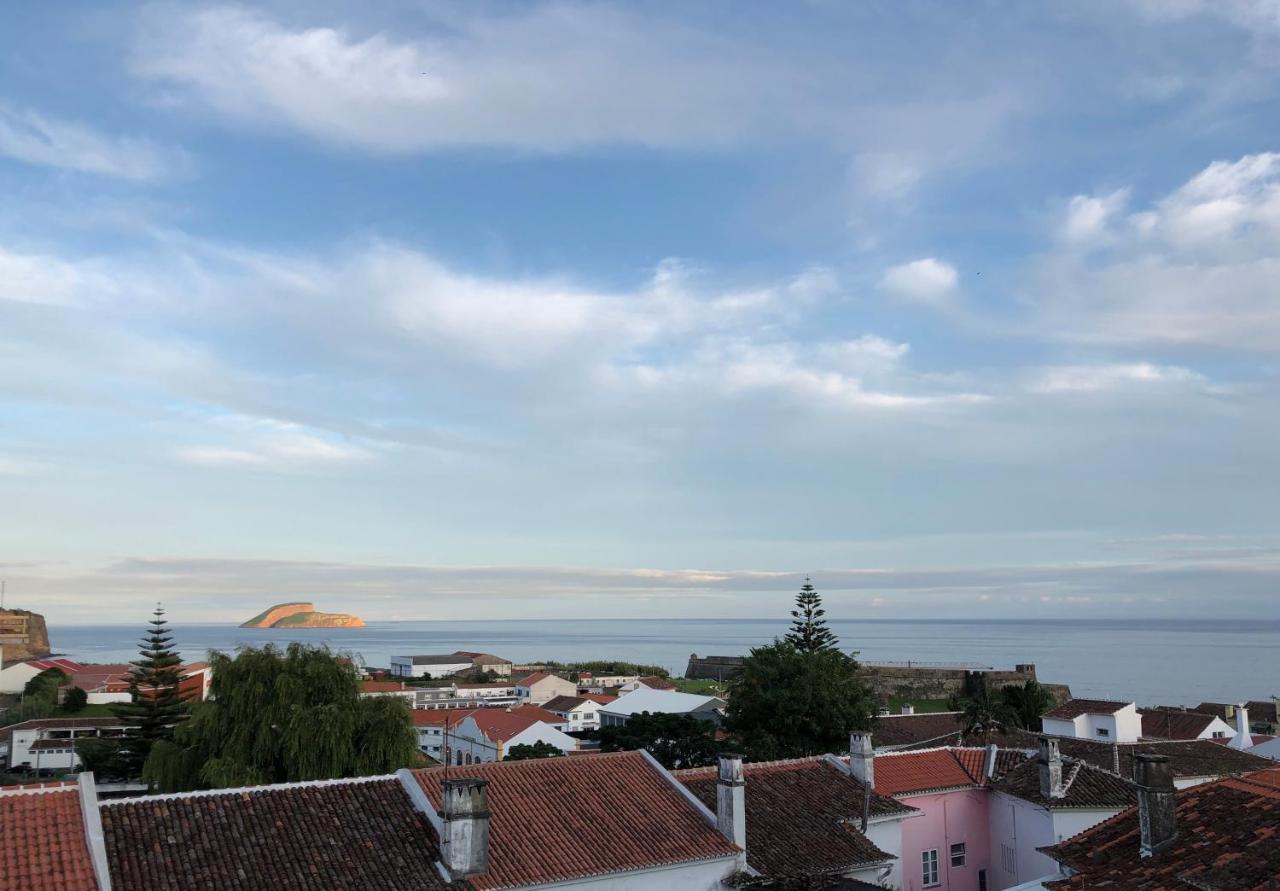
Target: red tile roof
column 801, row 816
column 1074, row 708
column 1083, row 786
column 428, row 717
column 1167, row 723
column 653, row 682
column 924, row 771
column 344, row 834
column 500, row 724
column 557, row 819
column 384, row 687
column 530, row 679
column 1227, row 839
column 599, row 698
column 564, row 703
column 42, row 841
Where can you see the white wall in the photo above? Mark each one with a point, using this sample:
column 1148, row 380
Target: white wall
column 541, row 732
column 701, row 876
column 1123, row 726
column 15, row 677
column 1269, row 749
column 403, row 667
column 1057, row 727
column 887, row 836
column 1022, row 826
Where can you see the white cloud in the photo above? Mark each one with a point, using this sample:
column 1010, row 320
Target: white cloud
column 34, row 138
column 266, row 443
column 929, row 280
column 1088, row 216
column 1106, row 377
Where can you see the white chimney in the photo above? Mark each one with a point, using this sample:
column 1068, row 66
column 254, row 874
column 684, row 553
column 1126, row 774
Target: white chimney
column 862, row 758
column 731, row 800
column 465, row 842
column 908, row 708
column 989, row 762
column 1050, row 769
column 1244, row 737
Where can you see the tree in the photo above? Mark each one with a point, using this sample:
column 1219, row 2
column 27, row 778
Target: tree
column 276, row 717
column 982, row 713
column 1026, row 703
column 525, row 752
column 106, row 759
column 787, row 702
column 809, row 632
column 155, row 707
column 674, row 740
column 75, row 700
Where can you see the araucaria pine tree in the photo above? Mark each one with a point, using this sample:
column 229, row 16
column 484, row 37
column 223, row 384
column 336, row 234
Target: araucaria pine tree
column 155, row 707
column 809, row 632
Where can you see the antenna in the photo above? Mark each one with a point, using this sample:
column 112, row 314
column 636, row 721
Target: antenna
column 2, row 593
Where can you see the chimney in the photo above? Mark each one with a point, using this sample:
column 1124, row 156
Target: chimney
column 1244, row 737
column 1157, row 814
column 1050, row 769
column 1115, row 758
column 466, row 827
column 989, row 761
column 862, row 758
column 908, row 708
column 731, row 800
column 1231, row 712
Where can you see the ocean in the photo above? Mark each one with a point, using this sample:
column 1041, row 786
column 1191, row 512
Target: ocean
column 1170, row 662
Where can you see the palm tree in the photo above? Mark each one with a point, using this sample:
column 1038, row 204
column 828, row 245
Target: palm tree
column 984, row 713
column 1027, row 702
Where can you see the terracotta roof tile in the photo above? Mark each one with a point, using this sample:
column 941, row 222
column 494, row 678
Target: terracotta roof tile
column 801, row 816
column 500, row 724
column 1074, row 708
column 902, row 773
column 564, row 703
column 384, row 687
column 1227, row 841
column 1084, row 786
column 428, row 717
column 1166, row 723
column 557, row 819
column 42, row 841
column 934, row 728
column 599, row 698
column 330, row 836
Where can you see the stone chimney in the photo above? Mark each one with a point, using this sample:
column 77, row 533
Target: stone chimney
column 862, row 758
column 989, row 761
column 731, row 800
column 908, row 708
column 1157, row 814
column 1244, row 736
column 465, row 841
column 1050, row 769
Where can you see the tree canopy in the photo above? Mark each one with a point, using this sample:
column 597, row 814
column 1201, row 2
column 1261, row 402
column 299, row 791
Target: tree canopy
column 787, row 702
column 674, row 740
column 282, row 716
column 154, row 708
column 983, row 714
column 809, row 632
column 1026, row 703
column 526, row 752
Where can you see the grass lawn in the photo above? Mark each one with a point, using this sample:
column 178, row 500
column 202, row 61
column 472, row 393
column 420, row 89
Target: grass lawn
column 920, row 705
column 699, row 687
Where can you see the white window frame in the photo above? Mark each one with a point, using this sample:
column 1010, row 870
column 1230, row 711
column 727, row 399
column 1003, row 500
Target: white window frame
column 929, row 869
column 958, row 850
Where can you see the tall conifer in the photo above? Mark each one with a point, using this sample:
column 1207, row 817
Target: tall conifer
column 809, row 632
column 155, row 707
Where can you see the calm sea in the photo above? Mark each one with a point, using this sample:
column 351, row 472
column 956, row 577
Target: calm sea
column 1166, row 662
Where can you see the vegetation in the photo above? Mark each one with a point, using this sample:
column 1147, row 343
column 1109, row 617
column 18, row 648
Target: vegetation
column 1026, row 703
column 154, row 708
column 278, row 716
column 983, row 713
column 698, row 686
column 674, row 740
column 606, row 667
column 800, row 695
column 809, row 632
column 75, row 700
column 924, row 706
column 39, row 697
column 527, row 752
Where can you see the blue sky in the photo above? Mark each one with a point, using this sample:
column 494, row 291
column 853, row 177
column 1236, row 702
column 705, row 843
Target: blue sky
column 515, row 309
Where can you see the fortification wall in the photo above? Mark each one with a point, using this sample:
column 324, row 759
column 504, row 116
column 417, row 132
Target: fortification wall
column 23, row 634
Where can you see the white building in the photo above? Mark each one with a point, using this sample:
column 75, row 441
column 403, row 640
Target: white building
column 1097, row 719
column 666, row 702
column 1169, row 723
column 49, row 744
column 429, row 666
column 433, row 725
column 487, row 734
column 578, row 712
column 488, row 694
column 540, row 687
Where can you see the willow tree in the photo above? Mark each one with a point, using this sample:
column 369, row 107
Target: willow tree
column 155, row 707
column 281, row 716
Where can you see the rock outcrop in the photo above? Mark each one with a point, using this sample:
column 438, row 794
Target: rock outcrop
column 23, row 635
column 301, row 615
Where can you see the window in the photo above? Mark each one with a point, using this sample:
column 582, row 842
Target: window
column 1007, row 859
column 929, row 867
column 1218, row 734
column 957, row 854
column 1102, row 731
column 982, row 880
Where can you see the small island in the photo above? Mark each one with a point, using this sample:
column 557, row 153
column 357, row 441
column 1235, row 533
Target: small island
column 301, row 615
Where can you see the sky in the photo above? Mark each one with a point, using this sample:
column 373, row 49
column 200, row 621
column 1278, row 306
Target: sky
column 499, row 309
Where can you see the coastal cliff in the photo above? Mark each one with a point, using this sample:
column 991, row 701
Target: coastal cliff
column 23, row 635
column 301, row 614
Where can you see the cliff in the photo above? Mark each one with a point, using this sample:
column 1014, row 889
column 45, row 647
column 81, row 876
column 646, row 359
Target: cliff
column 301, row 614
column 23, row 635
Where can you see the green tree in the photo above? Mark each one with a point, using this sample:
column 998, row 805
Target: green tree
column 154, row 708
column 106, row 759
column 809, row 632
column 525, row 752
column 1026, row 703
column 278, row 716
column 982, row 714
column 75, row 700
column 674, row 740
column 787, row 702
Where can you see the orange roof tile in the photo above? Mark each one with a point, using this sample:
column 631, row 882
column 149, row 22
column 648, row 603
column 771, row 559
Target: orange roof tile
column 428, row 717
column 557, row 819
column 900, row 774
column 384, row 687
column 500, row 724
column 42, row 841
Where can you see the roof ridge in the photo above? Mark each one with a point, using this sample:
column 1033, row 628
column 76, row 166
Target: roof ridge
column 237, row 790
column 37, row 788
column 747, row 765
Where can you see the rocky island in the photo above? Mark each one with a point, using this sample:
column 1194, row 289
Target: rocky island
column 301, row 615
